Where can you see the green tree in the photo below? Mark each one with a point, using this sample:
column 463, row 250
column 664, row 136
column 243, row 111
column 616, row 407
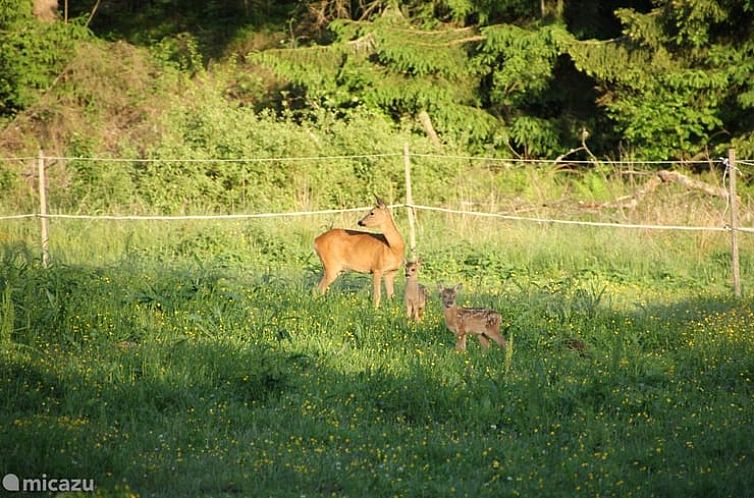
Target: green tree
column 678, row 81
column 32, row 53
column 472, row 85
column 391, row 66
column 518, row 66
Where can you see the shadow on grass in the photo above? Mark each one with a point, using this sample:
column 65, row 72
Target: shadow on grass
column 224, row 414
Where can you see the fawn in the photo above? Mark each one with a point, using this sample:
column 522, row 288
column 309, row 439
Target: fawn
column 380, row 254
column 482, row 322
column 415, row 296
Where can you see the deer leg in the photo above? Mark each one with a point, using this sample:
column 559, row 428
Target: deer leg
column 389, row 279
column 412, row 310
column 484, row 341
column 461, row 342
column 327, row 279
column 376, row 288
column 495, row 336
column 420, row 312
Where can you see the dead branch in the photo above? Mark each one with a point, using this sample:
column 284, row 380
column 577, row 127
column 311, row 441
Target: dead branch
column 584, row 135
column 564, row 155
column 631, row 201
column 91, row 15
column 691, row 184
column 663, row 177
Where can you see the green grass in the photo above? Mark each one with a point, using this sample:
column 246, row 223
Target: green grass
column 193, row 360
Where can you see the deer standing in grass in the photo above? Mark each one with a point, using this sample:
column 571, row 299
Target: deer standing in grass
column 415, row 297
column 482, row 322
column 380, row 254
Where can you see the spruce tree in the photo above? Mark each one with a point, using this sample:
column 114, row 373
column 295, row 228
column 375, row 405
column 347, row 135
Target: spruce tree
column 679, row 79
column 392, row 66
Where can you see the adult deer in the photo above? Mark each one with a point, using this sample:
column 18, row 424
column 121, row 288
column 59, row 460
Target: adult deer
column 380, row 254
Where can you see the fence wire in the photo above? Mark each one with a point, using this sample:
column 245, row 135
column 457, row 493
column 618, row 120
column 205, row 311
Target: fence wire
column 376, row 155
column 418, row 207
column 242, row 216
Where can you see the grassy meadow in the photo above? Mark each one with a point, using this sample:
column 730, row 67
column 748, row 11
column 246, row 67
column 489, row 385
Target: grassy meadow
column 191, row 359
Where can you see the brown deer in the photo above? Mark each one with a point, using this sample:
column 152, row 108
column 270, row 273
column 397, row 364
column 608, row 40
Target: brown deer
column 415, row 297
column 380, row 254
column 482, row 322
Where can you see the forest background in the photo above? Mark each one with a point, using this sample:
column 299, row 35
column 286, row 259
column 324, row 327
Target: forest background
column 165, row 79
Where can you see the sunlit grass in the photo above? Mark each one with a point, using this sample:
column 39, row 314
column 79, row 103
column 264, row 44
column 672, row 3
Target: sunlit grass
column 193, row 360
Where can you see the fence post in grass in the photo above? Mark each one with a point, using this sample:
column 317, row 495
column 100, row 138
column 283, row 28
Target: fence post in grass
column 43, row 208
column 409, row 203
column 731, row 166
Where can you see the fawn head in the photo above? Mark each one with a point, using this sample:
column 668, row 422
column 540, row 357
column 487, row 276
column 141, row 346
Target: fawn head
column 377, row 216
column 448, row 294
column 412, row 268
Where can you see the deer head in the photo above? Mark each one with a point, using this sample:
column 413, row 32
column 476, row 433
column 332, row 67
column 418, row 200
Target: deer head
column 378, row 216
column 448, row 294
column 413, row 267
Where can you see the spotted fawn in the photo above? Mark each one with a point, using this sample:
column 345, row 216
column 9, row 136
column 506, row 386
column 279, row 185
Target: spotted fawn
column 481, row 322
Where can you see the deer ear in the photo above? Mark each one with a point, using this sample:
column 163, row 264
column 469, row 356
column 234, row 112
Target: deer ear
column 380, row 202
column 458, row 287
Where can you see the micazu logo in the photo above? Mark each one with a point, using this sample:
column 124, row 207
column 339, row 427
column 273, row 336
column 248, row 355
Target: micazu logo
column 11, row 482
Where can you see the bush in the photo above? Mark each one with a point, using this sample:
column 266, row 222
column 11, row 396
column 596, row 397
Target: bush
column 32, row 54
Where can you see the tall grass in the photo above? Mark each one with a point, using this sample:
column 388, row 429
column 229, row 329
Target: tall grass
column 191, row 359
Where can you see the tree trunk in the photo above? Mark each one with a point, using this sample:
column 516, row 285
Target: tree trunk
column 46, row 10
column 426, row 123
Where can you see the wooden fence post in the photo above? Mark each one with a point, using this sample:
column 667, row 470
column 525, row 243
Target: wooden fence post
column 43, row 209
column 409, row 203
column 735, row 265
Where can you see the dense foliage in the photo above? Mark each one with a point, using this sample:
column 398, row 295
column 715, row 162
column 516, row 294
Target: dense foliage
column 673, row 82
column 32, row 54
column 657, row 80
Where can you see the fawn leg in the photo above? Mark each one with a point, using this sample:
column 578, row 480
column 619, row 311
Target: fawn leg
column 495, row 336
column 484, row 341
column 461, row 342
column 413, row 311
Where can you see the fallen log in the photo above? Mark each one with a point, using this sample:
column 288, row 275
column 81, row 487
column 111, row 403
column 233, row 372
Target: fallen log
column 664, row 177
column 691, row 184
